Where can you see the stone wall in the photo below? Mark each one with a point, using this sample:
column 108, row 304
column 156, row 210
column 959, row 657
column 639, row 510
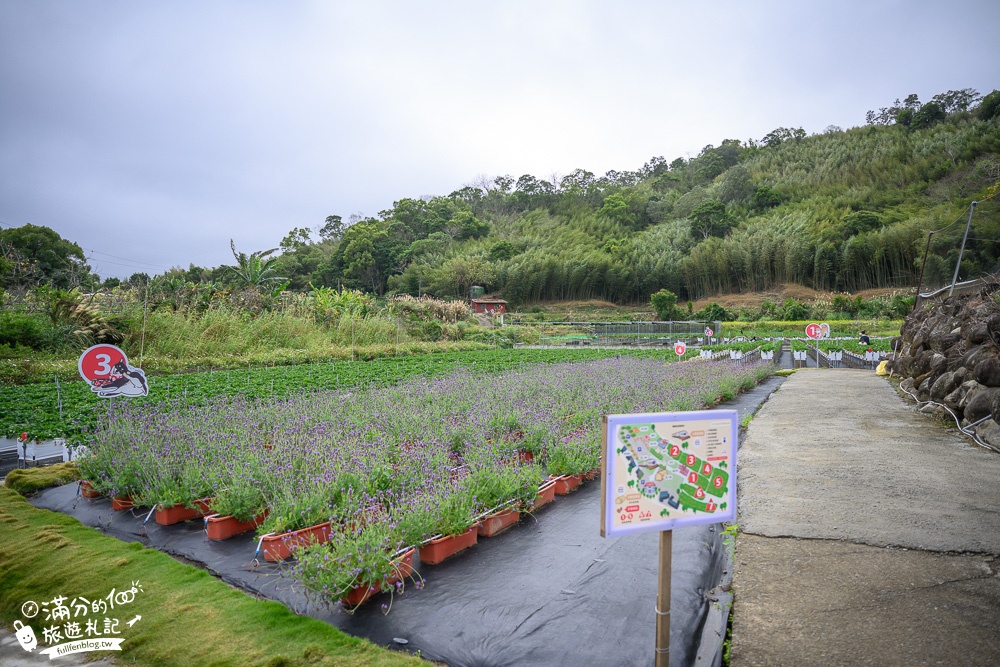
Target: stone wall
column 949, row 353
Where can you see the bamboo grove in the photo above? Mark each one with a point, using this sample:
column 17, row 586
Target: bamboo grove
column 841, row 210
column 838, row 211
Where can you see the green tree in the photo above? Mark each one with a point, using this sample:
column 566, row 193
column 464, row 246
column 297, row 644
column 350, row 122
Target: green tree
column 957, row 100
column 502, row 251
column 254, row 270
column 990, row 106
column 765, row 198
column 37, row 254
column 859, row 222
column 927, row 115
column 465, row 225
column 664, row 303
column 333, row 228
column 616, row 208
column 298, row 238
column 904, row 117
column 368, row 255
column 138, row 280
column 710, row 219
column 434, row 243
column 736, row 187
column 780, row 135
column 709, row 165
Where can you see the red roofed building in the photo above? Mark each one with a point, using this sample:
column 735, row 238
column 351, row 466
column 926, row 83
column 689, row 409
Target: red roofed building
column 488, row 306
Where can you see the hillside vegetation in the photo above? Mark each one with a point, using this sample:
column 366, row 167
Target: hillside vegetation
column 773, row 229
column 845, row 210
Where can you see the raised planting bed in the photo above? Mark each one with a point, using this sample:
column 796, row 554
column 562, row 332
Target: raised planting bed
column 402, row 568
column 168, row 516
column 566, row 483
column 223, row 527
column 279, row 547
column 546, row 494
column 445, row 547
column 87, row 490
column 122, row 503
column 498, row 522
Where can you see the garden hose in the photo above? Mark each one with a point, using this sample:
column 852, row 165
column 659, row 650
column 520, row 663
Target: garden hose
column 971, row 434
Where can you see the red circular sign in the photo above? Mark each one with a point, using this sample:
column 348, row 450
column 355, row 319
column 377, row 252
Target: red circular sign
column 98, row 362
column 680, row 348
column 813, row 330
column 709, row 332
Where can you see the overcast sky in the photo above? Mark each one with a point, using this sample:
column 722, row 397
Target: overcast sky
column 151, row 133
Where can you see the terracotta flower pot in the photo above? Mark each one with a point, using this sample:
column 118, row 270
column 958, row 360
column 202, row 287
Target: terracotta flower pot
column 122, row 503
column 224, row 527
column 498, row 522
column 87, row 490
column 546, row 494
column 167, row 516
column 403, row 568
column 525, row 456
column 438, row 550
column 280, row 547
column 592, row 474
column 566, row 483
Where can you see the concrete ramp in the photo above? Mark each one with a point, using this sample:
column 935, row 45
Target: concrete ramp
column 870, row 534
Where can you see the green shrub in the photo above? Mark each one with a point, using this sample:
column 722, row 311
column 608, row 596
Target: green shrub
column 794, row 310
column 22, row 329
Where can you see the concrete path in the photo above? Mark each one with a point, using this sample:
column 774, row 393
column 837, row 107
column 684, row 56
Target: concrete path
column 869, row 534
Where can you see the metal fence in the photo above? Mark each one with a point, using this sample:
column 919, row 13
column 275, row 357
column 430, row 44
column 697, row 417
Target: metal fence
column 622, row 334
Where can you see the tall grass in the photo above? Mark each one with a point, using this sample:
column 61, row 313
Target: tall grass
column 222, row 331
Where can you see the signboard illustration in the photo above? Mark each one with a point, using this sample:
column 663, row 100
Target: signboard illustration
column 667, row 470
column 106, row 368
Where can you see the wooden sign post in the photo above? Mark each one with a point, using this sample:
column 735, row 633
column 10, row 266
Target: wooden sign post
column 661, row 471
column 663, row 601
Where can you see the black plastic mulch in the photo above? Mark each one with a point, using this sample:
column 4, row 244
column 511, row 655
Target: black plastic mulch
column 548, row 591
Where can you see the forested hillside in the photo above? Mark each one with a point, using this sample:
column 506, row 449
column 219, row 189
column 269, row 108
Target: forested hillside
column 844, row 210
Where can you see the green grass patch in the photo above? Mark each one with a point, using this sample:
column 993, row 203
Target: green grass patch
column 188, row 617
column 27, row 481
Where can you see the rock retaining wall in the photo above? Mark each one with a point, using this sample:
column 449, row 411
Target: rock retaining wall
column 949, row 353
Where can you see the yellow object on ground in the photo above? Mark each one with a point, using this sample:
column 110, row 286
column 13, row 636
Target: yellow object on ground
column 881, row 368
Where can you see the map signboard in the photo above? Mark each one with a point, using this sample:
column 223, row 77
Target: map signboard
column 666, row 470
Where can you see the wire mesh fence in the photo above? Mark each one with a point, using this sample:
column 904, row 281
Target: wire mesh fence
column 623, row 334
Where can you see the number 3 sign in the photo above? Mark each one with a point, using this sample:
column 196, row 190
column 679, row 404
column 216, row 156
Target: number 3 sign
column 106, row 369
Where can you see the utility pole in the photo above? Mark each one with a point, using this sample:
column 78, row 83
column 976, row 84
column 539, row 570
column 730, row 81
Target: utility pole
column 968, row 224
column 923, row 265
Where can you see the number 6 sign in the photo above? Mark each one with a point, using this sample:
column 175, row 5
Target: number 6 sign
column 106, row 368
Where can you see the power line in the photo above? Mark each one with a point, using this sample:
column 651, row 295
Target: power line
column 105, row 261
column 132, row 263
column 127, row 259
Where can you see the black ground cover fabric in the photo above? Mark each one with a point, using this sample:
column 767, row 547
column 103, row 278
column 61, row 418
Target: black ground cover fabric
column 549, row 591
